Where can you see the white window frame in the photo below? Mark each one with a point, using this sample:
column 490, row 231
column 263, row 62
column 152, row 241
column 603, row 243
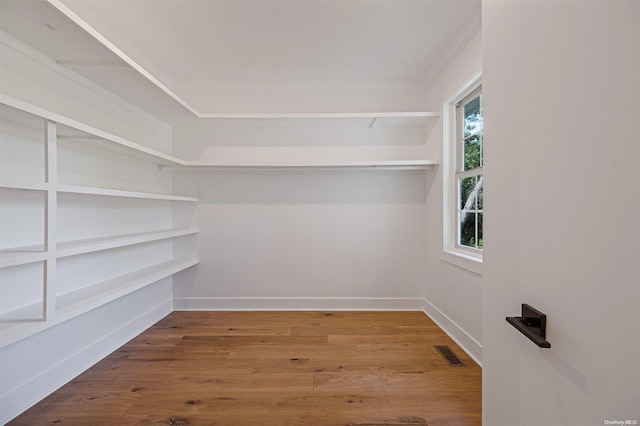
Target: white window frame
column 463, row 257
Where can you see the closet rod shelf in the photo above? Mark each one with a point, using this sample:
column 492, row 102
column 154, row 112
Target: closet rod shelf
column 359, row 165
column 321, row 115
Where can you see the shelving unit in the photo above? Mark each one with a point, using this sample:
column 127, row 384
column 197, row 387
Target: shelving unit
column 80, row 131
column 57, row 303
column 26, row 321
column 54, row 303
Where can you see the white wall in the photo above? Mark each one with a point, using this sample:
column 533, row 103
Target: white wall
column 276, row 97
column 301, row 240
column 562, row 97
column 454, row 295
column 28, row 373
column 321, row 239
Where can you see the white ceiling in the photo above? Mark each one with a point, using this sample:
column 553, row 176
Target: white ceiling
column 182, row 45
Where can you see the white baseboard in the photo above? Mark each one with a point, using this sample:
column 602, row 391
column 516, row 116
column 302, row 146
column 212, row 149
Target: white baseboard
column 471, row 346
column 22, row 398
column 297, row 304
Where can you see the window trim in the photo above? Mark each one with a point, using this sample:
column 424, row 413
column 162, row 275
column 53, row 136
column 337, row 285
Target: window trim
column 460, row 173
column 466, row 258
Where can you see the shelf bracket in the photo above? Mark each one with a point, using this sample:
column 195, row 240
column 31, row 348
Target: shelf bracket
column 532, row 324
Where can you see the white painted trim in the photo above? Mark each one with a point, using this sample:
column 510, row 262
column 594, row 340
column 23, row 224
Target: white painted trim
column 50, row 219
column 33, row 54
column 449, row 200
column 462, row 260
column 18, row 400
column 296, row 304
column 471, row 346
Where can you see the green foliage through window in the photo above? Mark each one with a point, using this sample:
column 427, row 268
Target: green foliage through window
column 470, row 179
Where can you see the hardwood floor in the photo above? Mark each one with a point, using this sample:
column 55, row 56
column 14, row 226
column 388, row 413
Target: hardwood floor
column 274, row 368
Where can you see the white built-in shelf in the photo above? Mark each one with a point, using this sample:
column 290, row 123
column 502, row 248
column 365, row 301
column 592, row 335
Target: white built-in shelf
column 73, row 248
column 88, row 190
column 24, row 184
column 92, row 132
column 22, row 255
column 26, row 321
column 359, row 119
column 384, row 165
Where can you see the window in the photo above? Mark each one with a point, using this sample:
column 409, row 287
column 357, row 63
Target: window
column 463, row 160
column 469, row 161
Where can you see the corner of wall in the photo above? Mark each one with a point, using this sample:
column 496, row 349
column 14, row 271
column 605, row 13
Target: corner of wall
column 471, row 346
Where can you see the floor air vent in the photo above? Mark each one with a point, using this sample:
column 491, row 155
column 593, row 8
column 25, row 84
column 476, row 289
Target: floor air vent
column 449, row 356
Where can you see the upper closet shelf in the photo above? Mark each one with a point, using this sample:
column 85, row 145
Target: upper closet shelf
column 91, row 133
column 382, row 164
column 362, row 119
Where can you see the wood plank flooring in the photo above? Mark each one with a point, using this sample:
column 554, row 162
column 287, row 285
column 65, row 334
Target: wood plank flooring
column 274, row 368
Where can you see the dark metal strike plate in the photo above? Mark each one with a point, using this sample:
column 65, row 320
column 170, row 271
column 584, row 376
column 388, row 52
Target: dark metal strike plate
column 532, row 324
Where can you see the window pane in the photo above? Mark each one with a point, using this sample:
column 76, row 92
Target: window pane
column 470, row 188
column 466, row 186
column 472, row 134
column 467, row 229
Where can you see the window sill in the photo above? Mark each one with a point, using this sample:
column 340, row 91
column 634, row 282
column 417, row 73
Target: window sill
column 462, row 260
